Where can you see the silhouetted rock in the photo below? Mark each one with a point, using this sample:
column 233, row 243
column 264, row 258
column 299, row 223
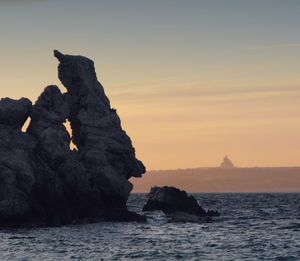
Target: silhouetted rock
column 170, row 199
column 104, row 147
column 42, row 181
column 177, row 204
column 16, row 173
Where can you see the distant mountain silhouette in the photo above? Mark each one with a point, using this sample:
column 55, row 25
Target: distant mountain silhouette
column 227, row 163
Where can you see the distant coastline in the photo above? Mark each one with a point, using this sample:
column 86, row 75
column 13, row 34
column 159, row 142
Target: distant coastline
column 218, row 179
column 210, row 168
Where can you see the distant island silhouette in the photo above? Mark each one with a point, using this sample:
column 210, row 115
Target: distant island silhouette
column 225, row 178
column 227, row 163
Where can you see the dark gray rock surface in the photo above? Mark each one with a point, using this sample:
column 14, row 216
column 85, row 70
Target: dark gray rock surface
column 42, row 181
column 105, row 149
column 170, row 199
column 14, row 112
column 177, row 204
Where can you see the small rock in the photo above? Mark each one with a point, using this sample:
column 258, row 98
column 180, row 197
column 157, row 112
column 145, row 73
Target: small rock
column 170, row 199
column 177, row 204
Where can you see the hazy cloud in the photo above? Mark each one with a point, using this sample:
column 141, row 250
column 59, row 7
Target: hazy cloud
column 287, row 45
column 209, row 94
column 19, row 2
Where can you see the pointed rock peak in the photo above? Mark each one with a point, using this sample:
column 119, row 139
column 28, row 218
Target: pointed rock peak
column 227, row 163
column 59, row 55
column 71, row 58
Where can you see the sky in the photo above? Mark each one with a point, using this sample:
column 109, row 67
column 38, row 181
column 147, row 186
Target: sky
column 192, row 80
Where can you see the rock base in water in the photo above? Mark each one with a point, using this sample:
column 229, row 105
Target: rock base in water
column 182, row 217
column 177, row 204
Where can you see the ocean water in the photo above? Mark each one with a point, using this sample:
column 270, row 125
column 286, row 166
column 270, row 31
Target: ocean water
column 251, row 227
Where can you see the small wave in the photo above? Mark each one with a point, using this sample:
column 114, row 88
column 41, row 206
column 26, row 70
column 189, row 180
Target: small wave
column 21, row 237
column 291, row 226
column 286, row 258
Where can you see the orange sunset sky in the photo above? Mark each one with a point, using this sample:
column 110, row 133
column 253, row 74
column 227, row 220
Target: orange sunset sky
column 192, row 81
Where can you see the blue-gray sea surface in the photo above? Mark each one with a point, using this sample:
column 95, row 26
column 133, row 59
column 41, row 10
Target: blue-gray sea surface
column 251, row 227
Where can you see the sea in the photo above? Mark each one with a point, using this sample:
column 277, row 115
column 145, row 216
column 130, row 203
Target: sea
column 251, row 227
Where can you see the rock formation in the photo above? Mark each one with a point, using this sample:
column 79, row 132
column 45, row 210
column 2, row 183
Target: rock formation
column 42, row 181
column 16, row 172
column 105, row 149
column 177, row 204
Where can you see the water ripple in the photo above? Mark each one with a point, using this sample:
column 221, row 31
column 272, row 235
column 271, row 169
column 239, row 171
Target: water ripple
column 252, row 227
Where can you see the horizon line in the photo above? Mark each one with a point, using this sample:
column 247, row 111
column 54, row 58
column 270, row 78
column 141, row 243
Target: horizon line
column 214, row 167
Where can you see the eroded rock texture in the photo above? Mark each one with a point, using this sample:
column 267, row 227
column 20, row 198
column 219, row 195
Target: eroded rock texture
column 171, row 199
column 105, row 149
column 16, row 173
column 42, row 181
column 177, row 204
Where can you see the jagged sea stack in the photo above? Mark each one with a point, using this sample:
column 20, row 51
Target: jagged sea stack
column 43, row 182
column 105, row 149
